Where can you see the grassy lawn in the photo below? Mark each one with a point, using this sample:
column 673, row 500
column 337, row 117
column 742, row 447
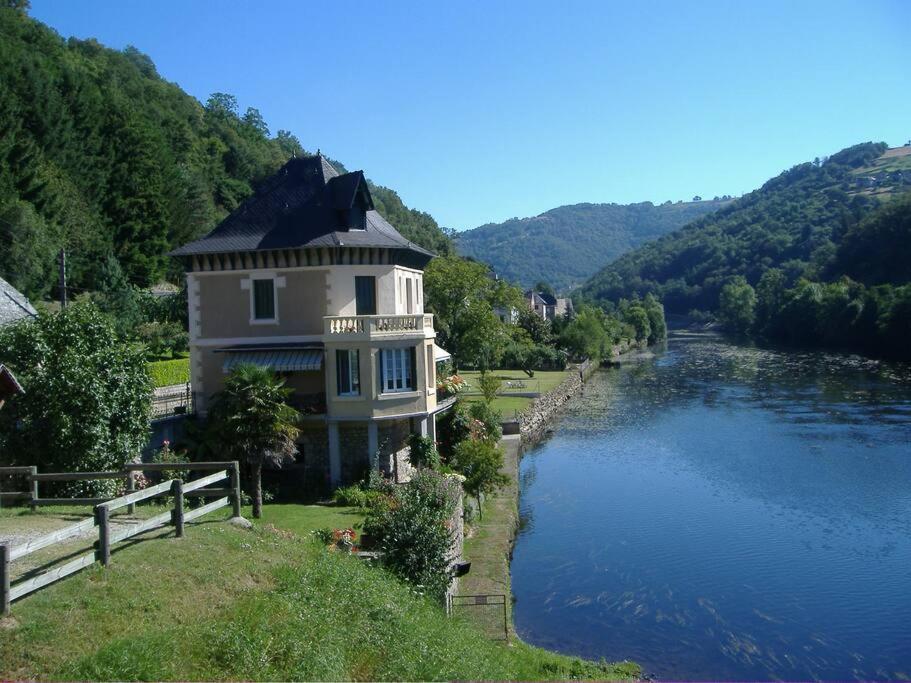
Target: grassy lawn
column 542, row 382
column 167, row 372
column 262, row 604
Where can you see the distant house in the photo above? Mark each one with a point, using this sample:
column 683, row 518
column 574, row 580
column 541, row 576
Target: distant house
column 9, row 386
column 308, row 279
column 13, row 304
column 547, row 305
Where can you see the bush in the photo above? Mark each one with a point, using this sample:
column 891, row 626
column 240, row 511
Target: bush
column 480, row 463
column 487, row 421
column 167, row 372
column 163, row 338
column 531, row 357
column 423, row 452
column 86, row 406
column 490, row 386
column 350, row 496
column 453, row 427
column 414, row 531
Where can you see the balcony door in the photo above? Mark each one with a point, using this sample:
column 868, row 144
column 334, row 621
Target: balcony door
column 365, row 294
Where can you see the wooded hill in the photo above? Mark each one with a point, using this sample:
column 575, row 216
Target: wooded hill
column 100, row 155
column 566, row 245
column 794, row 222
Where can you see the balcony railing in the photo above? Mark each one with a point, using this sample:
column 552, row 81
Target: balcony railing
column 371, row 326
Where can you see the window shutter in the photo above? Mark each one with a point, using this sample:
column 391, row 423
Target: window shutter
column 414, row 367
column 380, row 387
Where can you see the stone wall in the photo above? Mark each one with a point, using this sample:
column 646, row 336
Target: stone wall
column 535, row 418
column 457, row 525
column 355, row 457
column 392, row 437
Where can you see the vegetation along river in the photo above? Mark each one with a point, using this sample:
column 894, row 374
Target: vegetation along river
column 718, row 511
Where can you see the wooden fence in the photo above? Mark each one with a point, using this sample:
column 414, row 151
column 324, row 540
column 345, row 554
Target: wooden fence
column 107, row 535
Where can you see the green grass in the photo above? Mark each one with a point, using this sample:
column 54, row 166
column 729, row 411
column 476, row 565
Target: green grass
column 542, row 382
column 167, row 372
column 266, row 604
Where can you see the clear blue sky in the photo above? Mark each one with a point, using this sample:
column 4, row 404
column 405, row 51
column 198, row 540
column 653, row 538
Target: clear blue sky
column 481, row 111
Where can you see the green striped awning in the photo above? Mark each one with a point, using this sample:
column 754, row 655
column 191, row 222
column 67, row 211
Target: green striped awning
column 280, row 360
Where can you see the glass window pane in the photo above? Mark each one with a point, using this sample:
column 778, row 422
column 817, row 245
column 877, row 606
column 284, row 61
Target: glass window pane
column 263, row 300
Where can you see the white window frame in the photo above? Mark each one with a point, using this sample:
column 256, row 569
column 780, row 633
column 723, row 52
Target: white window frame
column 396, row 370
column 278, row 282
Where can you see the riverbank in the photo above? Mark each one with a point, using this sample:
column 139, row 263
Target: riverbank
column 489, row 547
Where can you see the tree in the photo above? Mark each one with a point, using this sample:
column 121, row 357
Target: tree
column 255, row 422
column 87, row 399
column 462, row 294
column 538, row 329
column 586, row 336
column 489, row 385
column 769, row 298
column 636, row 316
column 480, row 462
column 737, row 305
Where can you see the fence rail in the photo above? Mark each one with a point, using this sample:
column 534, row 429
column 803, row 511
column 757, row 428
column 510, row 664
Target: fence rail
column 101, row 519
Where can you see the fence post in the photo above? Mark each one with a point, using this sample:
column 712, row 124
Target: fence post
column 104, row 534
column 177, row 514
column 33, row 488
column 235, row 486
column 4, row 579
column 131, row 487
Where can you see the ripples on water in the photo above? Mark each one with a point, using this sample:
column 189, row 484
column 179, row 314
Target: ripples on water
column 718, row 511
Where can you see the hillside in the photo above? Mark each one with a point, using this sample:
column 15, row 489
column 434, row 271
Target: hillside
column 100, row 155
column 794, row 222
column 566, row 245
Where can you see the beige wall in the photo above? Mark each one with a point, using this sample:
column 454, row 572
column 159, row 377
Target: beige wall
column 224, row 305
column 371, row 402
column 391, row 292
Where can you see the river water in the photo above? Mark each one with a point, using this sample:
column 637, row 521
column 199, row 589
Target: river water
column 718, row 511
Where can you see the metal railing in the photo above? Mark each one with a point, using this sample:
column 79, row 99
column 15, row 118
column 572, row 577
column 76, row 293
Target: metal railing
column 174, row 400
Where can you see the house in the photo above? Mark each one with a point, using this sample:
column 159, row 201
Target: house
column 542, row 303
column 9, row 387
column 306, row 278
column 13, row 304
column 564, row 307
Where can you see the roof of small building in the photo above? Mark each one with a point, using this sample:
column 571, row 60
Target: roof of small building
column 9, row 385
column 13, row 304
column 300, row 206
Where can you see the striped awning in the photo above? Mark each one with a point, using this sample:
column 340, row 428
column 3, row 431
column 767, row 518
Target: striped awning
column 440, row 354
column 280, row 360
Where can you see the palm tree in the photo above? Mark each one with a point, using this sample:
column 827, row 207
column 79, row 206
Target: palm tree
column 254, row 421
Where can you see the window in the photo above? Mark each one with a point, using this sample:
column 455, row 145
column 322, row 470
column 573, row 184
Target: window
column 410, row 307
column 347, row 370
column 397, row 370
column 264, row 299
column 365, row 295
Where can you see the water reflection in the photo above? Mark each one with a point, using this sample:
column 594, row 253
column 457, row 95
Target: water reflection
column 718, row 511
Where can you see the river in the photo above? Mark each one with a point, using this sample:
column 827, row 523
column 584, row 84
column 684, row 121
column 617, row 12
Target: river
column 712, row 511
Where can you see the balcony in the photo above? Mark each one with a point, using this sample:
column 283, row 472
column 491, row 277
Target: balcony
column 370, row 327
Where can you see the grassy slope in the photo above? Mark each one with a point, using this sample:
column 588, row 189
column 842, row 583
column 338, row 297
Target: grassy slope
column 267, row 604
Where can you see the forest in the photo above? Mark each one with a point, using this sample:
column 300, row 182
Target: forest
column 567, row 245
column 806, row 259
column 102, row 157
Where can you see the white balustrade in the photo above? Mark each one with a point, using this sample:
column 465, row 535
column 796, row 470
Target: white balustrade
column 377, row 325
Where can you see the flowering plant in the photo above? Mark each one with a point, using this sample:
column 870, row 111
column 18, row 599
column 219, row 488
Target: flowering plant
column 344, row 539
column 452, row 384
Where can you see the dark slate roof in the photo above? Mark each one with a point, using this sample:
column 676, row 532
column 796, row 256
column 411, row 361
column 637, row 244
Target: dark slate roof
column 13, row 304
column 548, row 299
column 299, row 207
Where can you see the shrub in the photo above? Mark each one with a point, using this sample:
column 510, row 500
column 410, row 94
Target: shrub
column 86, row 405
column 490, row 386
column 350, row 496
column 480, row 463
column 414, row 531
column 487, row 421
column 167, row 372
column 453, row 427
column 423, row 452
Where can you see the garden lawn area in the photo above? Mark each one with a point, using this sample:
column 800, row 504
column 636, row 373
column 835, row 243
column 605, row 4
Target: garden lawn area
column 263, row 604
column 167, row 372
column 542, row 382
